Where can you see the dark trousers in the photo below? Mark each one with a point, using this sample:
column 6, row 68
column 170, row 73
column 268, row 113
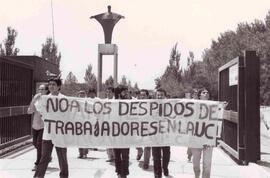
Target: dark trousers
column 156, row 152
column 37, row 142
column 146, row 151
column 47, row 147
column 121, row 161
column 83, row 151
column 146, row 156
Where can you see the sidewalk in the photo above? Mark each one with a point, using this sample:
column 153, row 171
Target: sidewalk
column 95, row 166
column 19, row 165
column 265, row 141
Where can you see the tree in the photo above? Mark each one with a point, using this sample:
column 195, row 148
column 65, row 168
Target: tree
column 267, row 21
column 49, row 51
column 254, row 36
column 171, row 79
column 124, row 81
column 109, row 82
column 71, row 79
column 190, row 58
column 9, row 43
column 90, row 78
column 71, row 86
column 129, row 85
column 136, row 87
column 190, row 71
column 173, row 68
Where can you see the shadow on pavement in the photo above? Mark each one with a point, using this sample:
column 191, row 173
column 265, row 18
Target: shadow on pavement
column 52, row 169
column 264, row 163
column 150, row 168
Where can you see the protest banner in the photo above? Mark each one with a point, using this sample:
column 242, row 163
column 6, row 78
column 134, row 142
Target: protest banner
column 86, row 122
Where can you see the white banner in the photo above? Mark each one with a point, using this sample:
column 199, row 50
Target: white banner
column 86, row 122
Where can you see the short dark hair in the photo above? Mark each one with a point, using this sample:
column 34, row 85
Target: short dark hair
column 92, row 90
column 201, row 90
column 47, row 89
column 111, row 89
column 137, row 92
column 144, row 90
column 194, row 90
column 119, row 90
column 57, row 80
column 162, row 90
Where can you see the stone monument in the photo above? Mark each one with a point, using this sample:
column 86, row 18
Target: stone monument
column 107, row 21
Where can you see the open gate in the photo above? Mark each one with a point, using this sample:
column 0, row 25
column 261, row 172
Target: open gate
column 239, row 82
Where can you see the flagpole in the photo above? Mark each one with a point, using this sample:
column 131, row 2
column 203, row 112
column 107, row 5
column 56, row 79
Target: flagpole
column 52, row 21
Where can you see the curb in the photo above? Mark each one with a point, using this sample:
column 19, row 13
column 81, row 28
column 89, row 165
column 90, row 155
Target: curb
column 15, row 148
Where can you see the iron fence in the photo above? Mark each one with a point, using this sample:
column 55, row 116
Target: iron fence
column 16, row 83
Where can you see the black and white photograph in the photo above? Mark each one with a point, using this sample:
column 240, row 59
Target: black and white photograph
column 134, row 89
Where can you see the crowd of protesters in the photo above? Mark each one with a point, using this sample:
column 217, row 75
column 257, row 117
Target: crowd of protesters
column 120, row 156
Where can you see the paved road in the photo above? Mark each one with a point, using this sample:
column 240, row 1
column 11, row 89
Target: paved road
column 19, row 166
column 265, row 141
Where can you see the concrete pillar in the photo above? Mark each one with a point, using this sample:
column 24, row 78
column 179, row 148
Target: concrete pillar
column 106, row 49
column 115, row 69
column 99, row 76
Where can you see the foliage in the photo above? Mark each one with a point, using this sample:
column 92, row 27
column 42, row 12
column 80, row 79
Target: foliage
column 109, row 82
column 195, row 76
column 136, row 87
column 70, row 86
column 254, row 36
column 9, row 43
column 124, row 81
column 71, row 79
column 90, row 78
column 49, row 51
column 73, row 89
column 229, row 45
column 171, row 79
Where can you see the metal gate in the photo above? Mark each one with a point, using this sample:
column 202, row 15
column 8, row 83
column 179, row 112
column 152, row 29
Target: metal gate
column 239, row 82
column 16, row 83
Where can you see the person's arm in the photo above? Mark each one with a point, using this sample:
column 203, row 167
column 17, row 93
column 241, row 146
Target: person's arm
column 31, row 109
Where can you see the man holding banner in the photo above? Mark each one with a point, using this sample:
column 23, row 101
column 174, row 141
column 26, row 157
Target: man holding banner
column 123, row 123
column 47, row 144
column 144, row 94
column 122, row 154
column 156, row 151
column 206, row 150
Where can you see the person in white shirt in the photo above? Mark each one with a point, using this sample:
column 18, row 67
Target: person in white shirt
column 47, row 145
column 37, row 124
column 146, row 151
column 205, row 152
column 161, row 155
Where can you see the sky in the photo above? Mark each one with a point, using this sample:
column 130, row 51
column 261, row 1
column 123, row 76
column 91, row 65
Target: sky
column 144, row 37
